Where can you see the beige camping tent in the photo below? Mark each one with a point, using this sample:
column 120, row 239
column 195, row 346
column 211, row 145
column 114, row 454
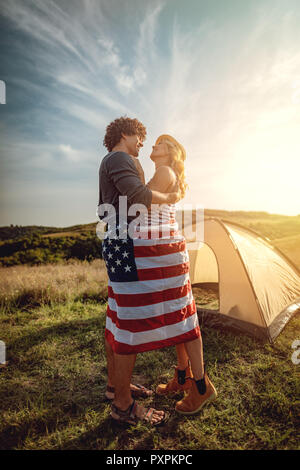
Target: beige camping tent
column 259, row 288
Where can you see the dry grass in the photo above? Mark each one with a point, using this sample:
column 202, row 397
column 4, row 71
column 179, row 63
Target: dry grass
column 206, row 297
column 290, row 246
column 25, row 287
column 30, row 286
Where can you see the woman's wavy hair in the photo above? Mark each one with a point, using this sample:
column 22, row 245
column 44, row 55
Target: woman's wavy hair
column 122, row 125
column 178, row 156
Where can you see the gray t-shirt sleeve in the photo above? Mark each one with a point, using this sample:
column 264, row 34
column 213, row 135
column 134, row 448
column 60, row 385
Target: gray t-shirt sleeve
column 124, row 175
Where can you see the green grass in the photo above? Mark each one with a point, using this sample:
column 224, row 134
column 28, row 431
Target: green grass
column 52, row 388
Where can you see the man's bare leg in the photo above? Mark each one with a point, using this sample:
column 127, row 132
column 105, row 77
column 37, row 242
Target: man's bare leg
column 123, row 371
column 110, row 358
column 123, row 365
column 110, row 364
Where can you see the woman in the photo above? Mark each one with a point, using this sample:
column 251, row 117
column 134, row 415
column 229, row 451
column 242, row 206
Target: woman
column 156, row 308
column 169, row 156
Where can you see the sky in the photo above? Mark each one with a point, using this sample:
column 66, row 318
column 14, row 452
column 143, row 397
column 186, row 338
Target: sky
column 221, row 76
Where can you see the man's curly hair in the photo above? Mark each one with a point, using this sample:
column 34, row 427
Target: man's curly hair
column 122, row 125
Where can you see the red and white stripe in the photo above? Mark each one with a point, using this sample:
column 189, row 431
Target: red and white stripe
column 158, row 310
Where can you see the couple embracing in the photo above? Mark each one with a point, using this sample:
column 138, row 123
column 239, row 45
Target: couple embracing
column 150, row 300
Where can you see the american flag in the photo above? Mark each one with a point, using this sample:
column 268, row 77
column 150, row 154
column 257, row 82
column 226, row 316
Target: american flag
column 150, row 300
column 118, row 255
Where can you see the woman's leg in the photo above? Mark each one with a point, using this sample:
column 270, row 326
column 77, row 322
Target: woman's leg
column 202, row 390
column 194, row 350
column 182, row 373
column 182, row 357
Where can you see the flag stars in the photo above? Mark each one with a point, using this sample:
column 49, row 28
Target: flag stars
column 119, row 259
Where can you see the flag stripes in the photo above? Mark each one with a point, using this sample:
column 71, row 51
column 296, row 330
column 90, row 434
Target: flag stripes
column 123, row 348
column 139, row 300
column 166, row 249
column 146, row 336
column 151, row 323
column 152, row 285
column 146, row 312
column 150, row 299
column 163, row 272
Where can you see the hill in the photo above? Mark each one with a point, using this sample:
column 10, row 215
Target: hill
column 37, row 244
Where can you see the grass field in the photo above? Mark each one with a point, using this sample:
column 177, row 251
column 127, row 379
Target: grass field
column 52, row 388
column 52, row 320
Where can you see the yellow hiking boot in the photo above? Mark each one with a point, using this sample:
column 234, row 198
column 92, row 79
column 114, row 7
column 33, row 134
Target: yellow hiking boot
column 201, row 392
column 180, row 382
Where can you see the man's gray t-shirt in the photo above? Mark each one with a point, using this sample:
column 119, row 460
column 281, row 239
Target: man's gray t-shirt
column 118, row 176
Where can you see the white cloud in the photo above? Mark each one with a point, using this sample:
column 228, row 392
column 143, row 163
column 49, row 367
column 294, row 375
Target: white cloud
column 226, row 92
column 75, row 155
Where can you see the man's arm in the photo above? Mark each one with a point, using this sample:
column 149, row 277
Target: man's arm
column 123, row 173
column 164, row 198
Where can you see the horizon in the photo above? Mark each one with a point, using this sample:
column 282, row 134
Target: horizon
column 223, row 78
column 97, row 221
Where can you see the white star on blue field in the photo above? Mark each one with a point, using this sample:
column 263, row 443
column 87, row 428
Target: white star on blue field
column 223, row 77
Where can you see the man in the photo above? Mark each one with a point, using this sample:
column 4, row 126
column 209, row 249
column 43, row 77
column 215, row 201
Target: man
column 119, row 176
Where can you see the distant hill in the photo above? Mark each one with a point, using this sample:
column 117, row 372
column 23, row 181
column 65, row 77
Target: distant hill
column 38, row 244
column 19, row 231
column 272, row 226
column 283, row 231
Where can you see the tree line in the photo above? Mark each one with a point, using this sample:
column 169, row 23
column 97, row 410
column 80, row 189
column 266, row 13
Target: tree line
column 37, row 249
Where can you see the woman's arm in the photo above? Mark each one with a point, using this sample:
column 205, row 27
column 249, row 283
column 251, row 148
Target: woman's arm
column 164, row 180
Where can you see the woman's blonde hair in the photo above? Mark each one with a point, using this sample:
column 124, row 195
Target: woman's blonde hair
column 178, row 156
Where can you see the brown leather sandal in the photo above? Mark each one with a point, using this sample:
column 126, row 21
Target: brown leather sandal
column 129, row 416
column 109, row 389
column 141, row 392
